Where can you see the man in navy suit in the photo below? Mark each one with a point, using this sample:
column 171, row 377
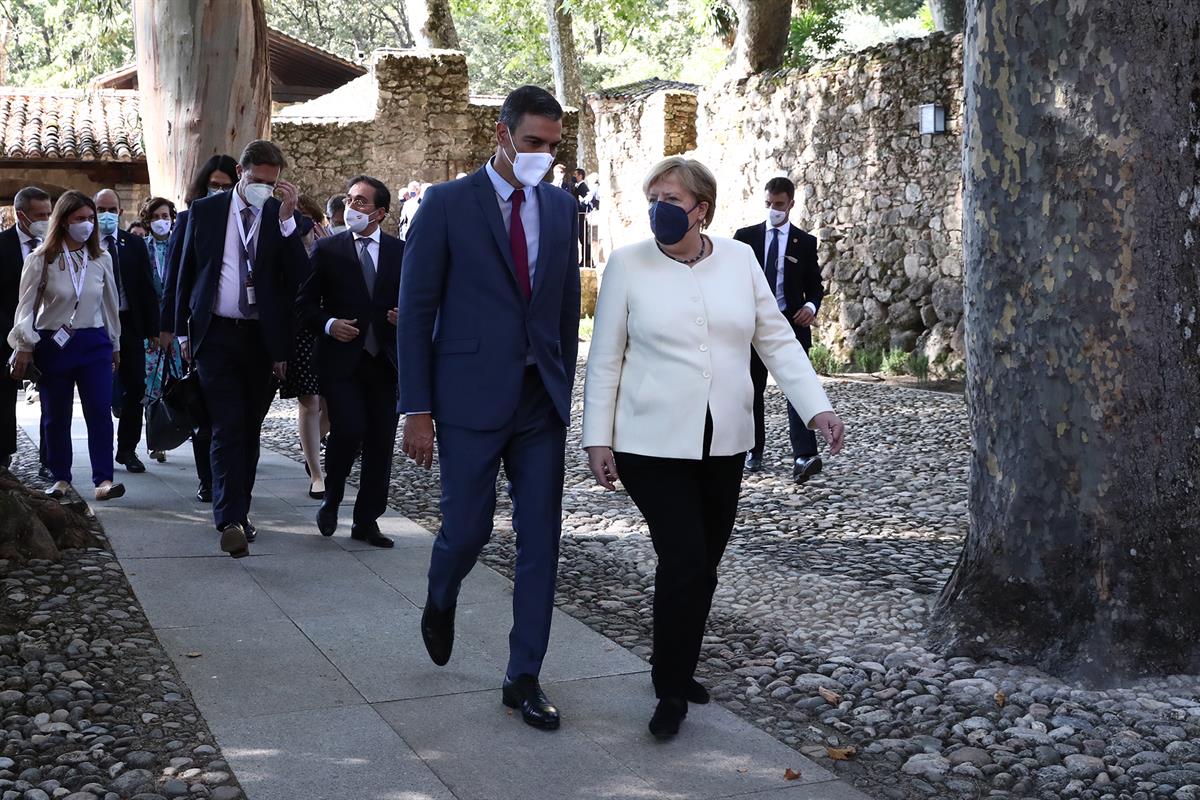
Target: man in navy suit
column 240, row 265
column 788, row 255
column 139, row 321
column 487, row 335
column 349, row 302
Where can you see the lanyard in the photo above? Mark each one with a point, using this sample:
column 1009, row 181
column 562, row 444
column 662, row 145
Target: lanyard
column 77, row 282
column 245, row 238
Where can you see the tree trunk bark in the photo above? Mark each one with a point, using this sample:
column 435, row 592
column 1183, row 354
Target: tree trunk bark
column 762, row 35
column 948, row 15
column 205, row 84
column 568, row 85
column 1082, row 254
column 432, row 24
column 34, row 526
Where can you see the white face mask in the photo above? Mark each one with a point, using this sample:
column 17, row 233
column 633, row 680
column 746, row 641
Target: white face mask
column 777, row 218
column 161, row 227
column 529, row 168
column 38, row 229
column 257, row 194
column 81, row 231
column 338, row 228
column 356, row 220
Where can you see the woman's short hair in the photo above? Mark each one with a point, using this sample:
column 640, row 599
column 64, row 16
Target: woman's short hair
column 310, row 208
column 694, row 176
column 153, row 204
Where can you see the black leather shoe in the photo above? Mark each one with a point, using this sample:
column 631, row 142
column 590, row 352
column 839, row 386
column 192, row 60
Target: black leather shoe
column 130, row 462
column 667, row 717
column 369, row 532
column 204, row 494
column 437, row 630
column 233, row 540
column 44, row 472
column 805, row 468
column 696, row 693
column 753, row 463
column 523, row 692
column 251, row 531
column 327, row 514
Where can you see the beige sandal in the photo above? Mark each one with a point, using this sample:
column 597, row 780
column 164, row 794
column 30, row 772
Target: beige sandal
column 58, row 490
column 110, row 491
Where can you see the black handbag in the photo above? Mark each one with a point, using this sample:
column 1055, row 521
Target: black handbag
column 185, row 399
column 167, row 427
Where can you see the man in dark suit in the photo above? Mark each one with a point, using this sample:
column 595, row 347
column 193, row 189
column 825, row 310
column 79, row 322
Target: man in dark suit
column 139, row 321
column 349, row 301
column 488, row 335
column 241, row 263
column 788, row 256
column 32, row 206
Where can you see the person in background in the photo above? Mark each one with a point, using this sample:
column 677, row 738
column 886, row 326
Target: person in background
column 667, row 404
column 593, row 217
column 138, row 306
column 335, row 211
column 788, row 257
column 32, row 207
column 159, row 216
column 137, row 229
column 215, row 177
column 415, row 192
column 581, row 192
column 562, row 180
column 301, row 381
column 68, row 326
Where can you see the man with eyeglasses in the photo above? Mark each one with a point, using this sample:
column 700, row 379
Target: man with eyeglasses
column 349, row 300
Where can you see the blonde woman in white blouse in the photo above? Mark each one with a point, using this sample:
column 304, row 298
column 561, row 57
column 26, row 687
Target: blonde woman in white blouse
column 668, row 404
column 67, row 327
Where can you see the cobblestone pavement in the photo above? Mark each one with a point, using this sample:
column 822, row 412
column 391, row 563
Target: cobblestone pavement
column 817, row 629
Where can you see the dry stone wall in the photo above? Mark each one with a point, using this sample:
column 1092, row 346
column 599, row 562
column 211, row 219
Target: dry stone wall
column 884, row 201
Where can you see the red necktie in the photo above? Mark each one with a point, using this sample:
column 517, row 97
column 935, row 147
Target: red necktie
column 516, row 239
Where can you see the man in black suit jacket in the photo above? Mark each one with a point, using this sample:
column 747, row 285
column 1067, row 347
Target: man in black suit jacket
column 139, row 321
column 788, row 255
column 349, row 301
column 240, row 265
column 32, row 206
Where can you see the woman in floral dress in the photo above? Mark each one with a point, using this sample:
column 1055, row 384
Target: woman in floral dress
column 158, row 216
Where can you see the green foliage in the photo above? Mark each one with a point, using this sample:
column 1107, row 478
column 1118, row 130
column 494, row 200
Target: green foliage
column 895, row 362
column 868, row 359
column 816, row 30
column 351, row 30
column 892, row 10
column 925, row 15
column 64, row 42
column 918, row 367
column 823, row 360
column 586, row 325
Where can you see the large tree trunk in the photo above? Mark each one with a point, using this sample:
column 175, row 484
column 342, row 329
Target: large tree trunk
column 1082, row 268
column 948, row 15
column 568, row 86
column 432, row 24
column 35, row 526
column 205, row 84
column 762, row 35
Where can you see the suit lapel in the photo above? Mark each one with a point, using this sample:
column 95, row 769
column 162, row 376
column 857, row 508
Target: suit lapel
column 349, row 249
column 760, row 234
column 388, row 267
column 543, row 260
column 485, row 195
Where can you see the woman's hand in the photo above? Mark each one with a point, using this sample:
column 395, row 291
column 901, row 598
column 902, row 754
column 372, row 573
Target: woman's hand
column 116, row 359
column 603, row 466
column 830, row 426
column 21, row 361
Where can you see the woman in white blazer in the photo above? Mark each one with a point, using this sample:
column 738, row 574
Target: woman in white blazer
column 668, row 404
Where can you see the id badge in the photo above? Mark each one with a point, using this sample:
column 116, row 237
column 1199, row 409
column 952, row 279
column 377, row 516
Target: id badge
column 62, row 336
column 250, row 293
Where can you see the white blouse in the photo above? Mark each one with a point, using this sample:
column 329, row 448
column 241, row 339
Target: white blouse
column 98, row 301
column 672, row 343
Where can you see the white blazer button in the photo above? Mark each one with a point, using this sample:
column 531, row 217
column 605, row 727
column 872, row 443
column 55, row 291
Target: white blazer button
column 703, row 348
column 699, row 320
column 707, row 374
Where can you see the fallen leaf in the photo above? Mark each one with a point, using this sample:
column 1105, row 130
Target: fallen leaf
column 841, row 753
column 1001, row 699
column 791, row 775
column 742, row 769
column 193, row 655
column 831, row 697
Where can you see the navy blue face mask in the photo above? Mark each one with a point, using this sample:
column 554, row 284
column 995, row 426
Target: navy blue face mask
column 669, row 222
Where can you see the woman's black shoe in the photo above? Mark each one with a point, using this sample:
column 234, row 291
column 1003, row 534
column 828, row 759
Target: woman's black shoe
column 670, row 712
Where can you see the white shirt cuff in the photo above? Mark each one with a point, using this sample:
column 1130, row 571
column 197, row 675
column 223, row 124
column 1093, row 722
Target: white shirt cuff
column 287, row 226
column 811, row 308
column 329, row 326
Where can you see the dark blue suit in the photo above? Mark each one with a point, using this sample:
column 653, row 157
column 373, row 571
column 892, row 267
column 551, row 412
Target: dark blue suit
column 466, row 337
column 234, row 357
column 139, row 321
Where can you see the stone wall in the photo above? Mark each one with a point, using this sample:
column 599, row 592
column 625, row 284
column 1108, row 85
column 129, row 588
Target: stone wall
column 410, row 118
column 885, row 202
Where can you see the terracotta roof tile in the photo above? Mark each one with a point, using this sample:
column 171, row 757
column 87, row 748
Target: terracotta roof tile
column 70, row 125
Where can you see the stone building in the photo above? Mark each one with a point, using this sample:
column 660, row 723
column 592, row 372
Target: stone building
column 884, row 200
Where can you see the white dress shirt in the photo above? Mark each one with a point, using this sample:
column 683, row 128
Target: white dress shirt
column 26, row 243
column 229, row 288
column 94, row 307
column 781, row 265
column 529, row 215
column 672, row 344
column 373, row 249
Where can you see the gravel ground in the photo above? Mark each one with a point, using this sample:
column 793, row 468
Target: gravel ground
column 817, row 629
column 91, row 707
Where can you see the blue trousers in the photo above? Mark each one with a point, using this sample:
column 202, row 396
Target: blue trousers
column 531, row 448
column 84, row 364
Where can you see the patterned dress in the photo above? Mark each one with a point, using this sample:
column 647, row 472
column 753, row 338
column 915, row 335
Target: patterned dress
column 158, row 270
column 301, row 376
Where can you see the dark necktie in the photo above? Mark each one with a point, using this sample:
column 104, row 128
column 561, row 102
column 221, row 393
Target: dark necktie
column 520, row 248
column 111, row 242
column 368, row 270
column 248, row 258
column 772, row 265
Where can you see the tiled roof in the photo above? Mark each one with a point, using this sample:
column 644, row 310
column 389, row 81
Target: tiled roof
column 642, row 89
column 70, row 125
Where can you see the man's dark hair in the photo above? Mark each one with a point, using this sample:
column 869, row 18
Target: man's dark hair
column 529, row 100
column 335, row 205
column 217, row 163
column 383, row 198
column 260, row 152
column 29, row 195
column 580, row 173
column 782, row 186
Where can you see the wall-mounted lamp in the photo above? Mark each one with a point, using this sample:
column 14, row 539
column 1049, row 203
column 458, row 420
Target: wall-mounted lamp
column 933, row 119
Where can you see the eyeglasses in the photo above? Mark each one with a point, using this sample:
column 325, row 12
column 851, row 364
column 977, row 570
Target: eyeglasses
column 358, row 203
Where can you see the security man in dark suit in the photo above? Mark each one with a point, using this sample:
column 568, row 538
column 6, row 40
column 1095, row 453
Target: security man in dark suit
column 788, row 256
column 139, row 321
column 349, row 300
column 32, row 206
column 241, row 264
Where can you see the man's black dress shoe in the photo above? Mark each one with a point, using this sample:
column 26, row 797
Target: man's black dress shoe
column 753, row 463
column 251, row 531
column 44, row 472
column 204, row 494
column 369, row 532
column 670, row 712
column 233, row 540
column 437, row 630
column 327, row 514
column 523, row 692
column 805, row 468
column 130, row 462
column 695, row 693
